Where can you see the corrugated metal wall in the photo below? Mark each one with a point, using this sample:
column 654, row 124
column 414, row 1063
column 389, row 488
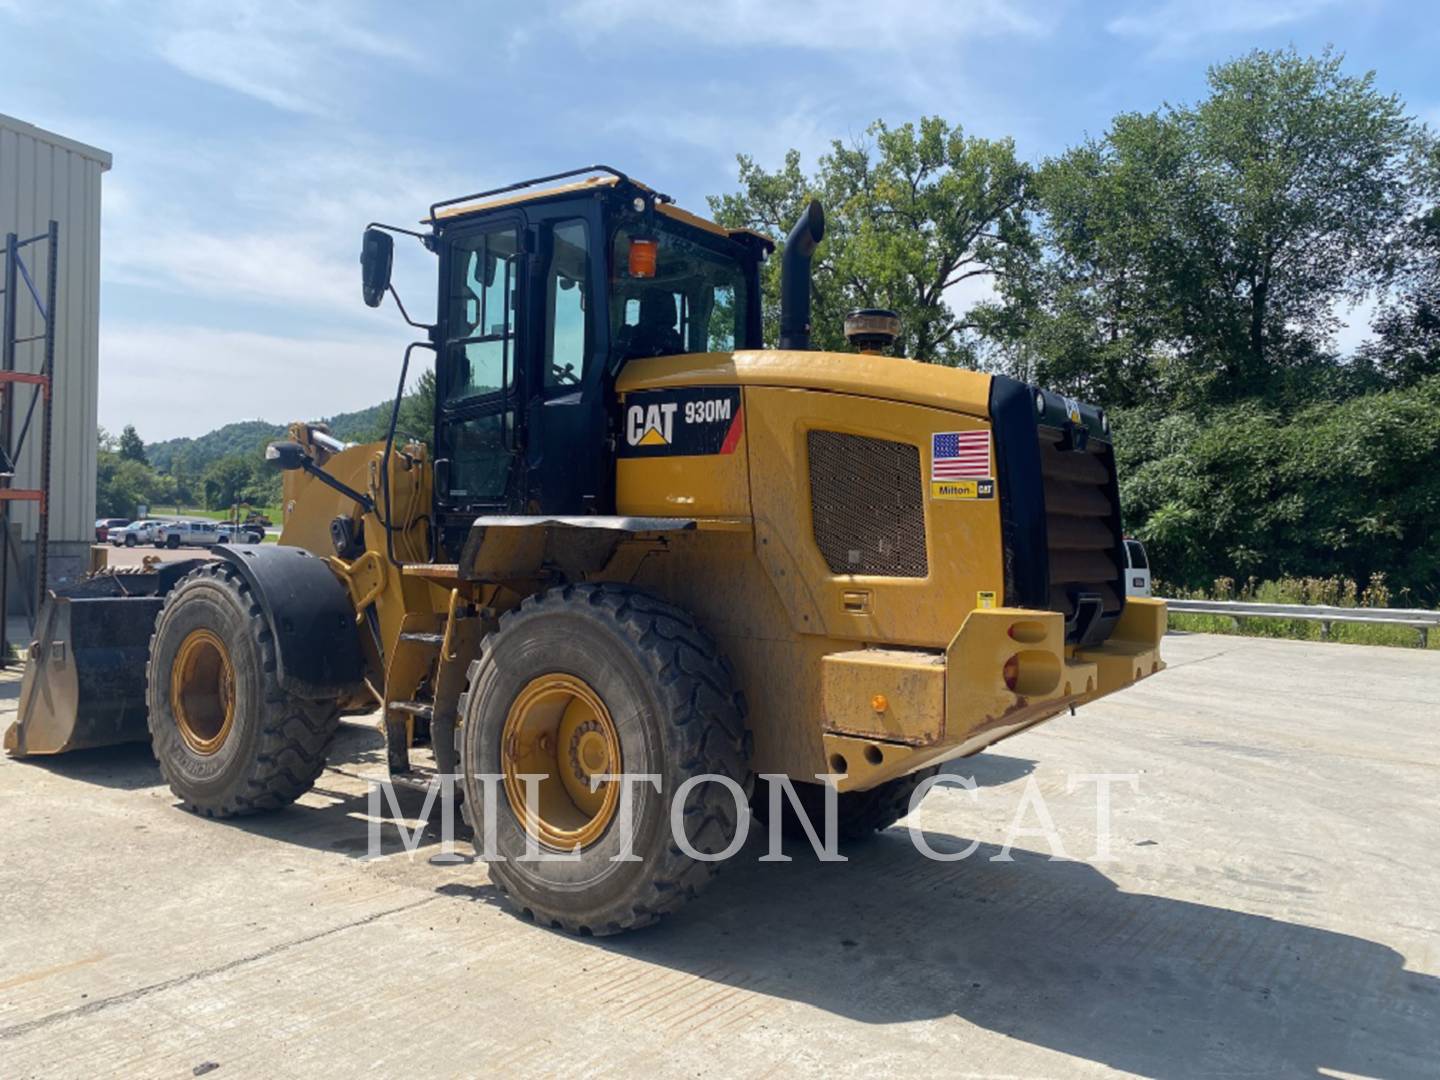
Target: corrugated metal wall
column 44, row 176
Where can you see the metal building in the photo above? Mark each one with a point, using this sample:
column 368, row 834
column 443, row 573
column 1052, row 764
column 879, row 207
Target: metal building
column 44, row 176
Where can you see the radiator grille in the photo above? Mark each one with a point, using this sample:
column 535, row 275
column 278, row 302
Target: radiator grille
column 868, row 505
column 1081, row 522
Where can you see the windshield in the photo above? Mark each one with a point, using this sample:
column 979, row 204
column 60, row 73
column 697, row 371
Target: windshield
column 675, row 294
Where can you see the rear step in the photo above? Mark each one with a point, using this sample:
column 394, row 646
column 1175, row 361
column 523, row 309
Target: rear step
column 422, row 709
column 420, row 638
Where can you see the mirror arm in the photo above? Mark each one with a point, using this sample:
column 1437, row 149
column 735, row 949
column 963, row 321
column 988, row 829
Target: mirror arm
column 405, row 314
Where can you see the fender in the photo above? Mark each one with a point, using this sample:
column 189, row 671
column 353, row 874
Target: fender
column 317, row 648
column 515, row 548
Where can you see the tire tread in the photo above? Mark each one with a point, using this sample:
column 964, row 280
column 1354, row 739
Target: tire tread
column 295, row 734
column 708, row 718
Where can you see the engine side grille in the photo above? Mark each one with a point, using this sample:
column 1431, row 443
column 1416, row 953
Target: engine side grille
column 1082, row 523
column 868, row 505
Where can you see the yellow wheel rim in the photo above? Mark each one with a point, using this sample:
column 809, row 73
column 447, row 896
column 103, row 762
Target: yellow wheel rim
column 559, row 729
column 202, row 691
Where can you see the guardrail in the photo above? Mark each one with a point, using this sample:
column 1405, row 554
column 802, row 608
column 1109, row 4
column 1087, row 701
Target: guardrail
column 1419, row 619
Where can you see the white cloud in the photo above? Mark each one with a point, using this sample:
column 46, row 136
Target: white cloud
column 224, row 376
column 1179, row 25
column 719, row 132
column 290, row 55
column 843, row 25
column 277, row 224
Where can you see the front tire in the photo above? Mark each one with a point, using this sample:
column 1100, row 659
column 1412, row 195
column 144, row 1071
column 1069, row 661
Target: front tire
column 172, row 542
column 600, row 679
column 130, row 541
column 229, row 739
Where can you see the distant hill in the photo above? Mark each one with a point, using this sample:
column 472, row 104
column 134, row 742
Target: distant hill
column 244, row 437
column 250, row 436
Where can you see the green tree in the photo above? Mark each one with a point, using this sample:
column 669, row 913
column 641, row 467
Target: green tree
column 184, row 475
column 123, row 485
column 417, row 409
column 417, row 415
column 1407, row 327
column 912, row 213
column 1328, row 489
column 1198, row 252
column 228, row 481
column 130, row 446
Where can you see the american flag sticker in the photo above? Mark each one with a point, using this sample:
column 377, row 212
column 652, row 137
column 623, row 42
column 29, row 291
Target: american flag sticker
column 960, row 465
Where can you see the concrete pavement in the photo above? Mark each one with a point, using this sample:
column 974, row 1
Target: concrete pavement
column 1270, row 910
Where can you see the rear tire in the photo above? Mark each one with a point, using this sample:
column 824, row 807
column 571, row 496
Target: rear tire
column 665, row 701
column 230, row 741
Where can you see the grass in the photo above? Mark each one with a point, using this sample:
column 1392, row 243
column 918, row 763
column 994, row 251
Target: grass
column 1346, row 633
column 1335, row 591
column 272, row 512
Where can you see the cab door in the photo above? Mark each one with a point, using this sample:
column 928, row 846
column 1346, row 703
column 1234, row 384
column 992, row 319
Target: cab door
column 569, row 467
column 480, row 374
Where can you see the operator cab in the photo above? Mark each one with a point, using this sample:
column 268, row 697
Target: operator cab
column 543, row 297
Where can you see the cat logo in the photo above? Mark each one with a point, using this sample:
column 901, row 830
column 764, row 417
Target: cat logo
column 686, row 421
column 652, row 425
column 1072, row 410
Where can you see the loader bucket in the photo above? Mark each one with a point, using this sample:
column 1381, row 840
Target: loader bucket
column 84, row 682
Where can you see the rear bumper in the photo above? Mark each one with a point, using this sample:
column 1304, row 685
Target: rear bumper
column 888, row 712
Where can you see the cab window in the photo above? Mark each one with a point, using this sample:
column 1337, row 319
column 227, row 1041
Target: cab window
column 671, row 294
column 567, row 305
column 480, row 350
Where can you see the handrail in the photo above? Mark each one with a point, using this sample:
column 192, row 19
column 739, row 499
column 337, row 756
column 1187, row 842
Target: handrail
column 524, row 184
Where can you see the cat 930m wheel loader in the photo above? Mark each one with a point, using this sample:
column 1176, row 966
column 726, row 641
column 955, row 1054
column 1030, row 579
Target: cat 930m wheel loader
column 644, row 545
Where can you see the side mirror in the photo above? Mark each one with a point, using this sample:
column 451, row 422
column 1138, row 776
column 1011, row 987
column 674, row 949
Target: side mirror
column 286, row 456
column 377, row 256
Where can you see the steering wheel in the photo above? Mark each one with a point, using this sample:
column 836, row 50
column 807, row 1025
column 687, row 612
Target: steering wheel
column 565, row 374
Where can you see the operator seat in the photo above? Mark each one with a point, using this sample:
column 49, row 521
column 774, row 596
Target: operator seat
column 654, row 334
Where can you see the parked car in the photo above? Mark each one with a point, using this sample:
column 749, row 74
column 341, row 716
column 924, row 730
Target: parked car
column 104, row 525
column 1137, row 569
column 231, row 533
column 174, row 534
column 137, row 532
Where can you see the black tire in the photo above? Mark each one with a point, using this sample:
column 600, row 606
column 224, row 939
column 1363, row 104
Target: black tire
column 677, row 714
column 130, row 541
column 172, row 542
column 276, row 744
column 858, row 814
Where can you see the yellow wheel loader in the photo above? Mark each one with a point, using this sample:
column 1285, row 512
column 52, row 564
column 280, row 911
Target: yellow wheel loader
column 648, row 560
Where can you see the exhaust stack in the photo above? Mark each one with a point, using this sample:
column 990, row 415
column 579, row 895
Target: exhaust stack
column 795, row 277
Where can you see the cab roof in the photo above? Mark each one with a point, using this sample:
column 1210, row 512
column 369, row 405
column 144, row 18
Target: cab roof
column 609, row 179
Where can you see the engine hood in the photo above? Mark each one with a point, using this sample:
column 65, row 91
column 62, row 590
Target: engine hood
column 883, row 377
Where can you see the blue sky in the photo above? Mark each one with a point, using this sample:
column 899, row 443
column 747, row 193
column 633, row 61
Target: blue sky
column 253, row 140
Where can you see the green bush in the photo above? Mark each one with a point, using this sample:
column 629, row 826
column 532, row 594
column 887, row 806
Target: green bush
column 1346, row 490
